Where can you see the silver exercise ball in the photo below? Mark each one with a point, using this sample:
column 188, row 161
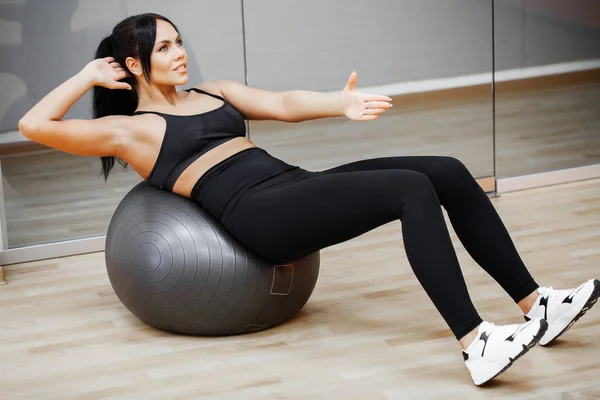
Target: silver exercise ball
column 177, row 269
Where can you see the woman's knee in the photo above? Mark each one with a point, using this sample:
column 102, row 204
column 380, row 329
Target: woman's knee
column 418, row 196
column 450, row 177
column 414, row 185
column 453, row 169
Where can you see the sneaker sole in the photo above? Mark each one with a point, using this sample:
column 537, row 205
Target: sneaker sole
column 534, row 341
column 590, row 302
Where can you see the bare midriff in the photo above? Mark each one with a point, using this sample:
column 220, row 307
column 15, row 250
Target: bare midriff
column 186, row 181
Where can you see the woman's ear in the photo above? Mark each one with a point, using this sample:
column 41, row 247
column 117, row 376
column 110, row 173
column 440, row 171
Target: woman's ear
column 134, row 66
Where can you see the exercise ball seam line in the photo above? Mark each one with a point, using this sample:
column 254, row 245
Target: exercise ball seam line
column 172, row 263
column 140, row 245
column 218, row 282
column 183, row 247
column 184, row 262
column 242, row 291
column 220, row 270
column 230, row 288
column 152, row 232
column 162, row 279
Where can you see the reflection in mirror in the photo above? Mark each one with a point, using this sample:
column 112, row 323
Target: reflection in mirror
column 51, row 196
column 547, row 89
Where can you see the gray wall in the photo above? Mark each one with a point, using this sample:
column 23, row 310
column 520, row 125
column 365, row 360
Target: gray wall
column 294, row 44
column 541, row 32
column 315, row 44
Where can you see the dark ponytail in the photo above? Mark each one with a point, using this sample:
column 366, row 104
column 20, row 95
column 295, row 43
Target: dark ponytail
column 132, row 37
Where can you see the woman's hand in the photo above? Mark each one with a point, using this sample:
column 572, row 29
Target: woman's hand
column 361, row 106
column 106, row 72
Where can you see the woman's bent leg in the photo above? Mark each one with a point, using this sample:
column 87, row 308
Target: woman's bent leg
column 473, row 216
column 290, row 221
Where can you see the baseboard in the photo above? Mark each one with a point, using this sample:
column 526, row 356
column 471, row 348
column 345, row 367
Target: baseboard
column 586, row 69
column 505, row 185
column 52, row 250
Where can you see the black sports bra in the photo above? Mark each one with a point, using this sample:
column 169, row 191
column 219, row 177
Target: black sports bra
column 187, row 137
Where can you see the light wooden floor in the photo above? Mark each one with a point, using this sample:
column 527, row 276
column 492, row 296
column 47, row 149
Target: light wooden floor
column 56, row 196
column 368, row 332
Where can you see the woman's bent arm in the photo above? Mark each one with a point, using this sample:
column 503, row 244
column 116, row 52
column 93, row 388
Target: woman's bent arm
column 106, row 136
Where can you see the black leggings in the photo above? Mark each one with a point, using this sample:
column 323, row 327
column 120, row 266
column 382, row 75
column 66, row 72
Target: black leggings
column 320, row 209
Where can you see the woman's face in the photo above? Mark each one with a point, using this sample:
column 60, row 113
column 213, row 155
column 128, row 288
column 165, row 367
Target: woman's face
column 167, row 55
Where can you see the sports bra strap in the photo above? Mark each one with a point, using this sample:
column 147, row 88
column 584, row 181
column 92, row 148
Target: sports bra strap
column 216, row 96
column 144, row 112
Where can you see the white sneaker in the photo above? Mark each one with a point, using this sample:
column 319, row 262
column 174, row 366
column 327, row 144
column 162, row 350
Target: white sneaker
column 495, row 348
column 561, row 308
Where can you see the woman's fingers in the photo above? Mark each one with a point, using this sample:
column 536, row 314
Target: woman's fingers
column 119, row 85
column 122, row 71
column 122, row 75
column 372, row 106
column 373, row 111
column 376, row 97
column 368, row 117
column 377, row 104
column 116, row 65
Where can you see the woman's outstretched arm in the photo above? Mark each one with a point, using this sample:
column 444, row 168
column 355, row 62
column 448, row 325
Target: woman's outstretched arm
column 301, row 105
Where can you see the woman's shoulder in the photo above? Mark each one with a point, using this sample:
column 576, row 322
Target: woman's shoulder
column 214, row 87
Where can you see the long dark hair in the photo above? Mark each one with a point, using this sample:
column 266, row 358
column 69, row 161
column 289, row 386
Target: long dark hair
column 132, row 37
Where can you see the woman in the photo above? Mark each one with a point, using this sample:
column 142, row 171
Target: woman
column 193, row 143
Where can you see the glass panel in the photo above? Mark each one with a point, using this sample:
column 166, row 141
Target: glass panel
column 434, row 58
column 547, row 85
column 52, row 196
